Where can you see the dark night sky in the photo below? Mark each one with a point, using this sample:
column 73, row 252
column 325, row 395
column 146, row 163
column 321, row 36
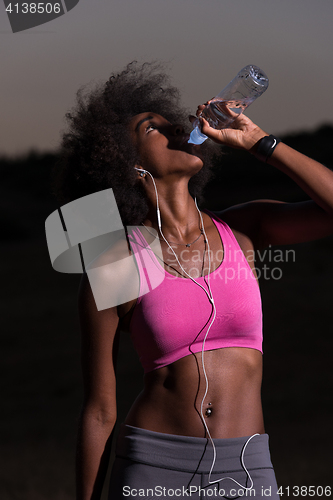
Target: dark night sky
column 205, row 43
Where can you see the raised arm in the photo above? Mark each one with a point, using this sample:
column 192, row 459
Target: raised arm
column 278, row 223
column 99, row 412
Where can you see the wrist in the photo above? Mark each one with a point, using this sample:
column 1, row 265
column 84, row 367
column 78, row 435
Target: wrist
column 264, row 147
column 253, row 140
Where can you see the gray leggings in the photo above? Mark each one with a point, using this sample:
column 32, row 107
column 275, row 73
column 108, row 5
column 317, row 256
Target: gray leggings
column 152, row 466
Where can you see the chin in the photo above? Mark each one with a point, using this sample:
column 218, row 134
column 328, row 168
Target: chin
column 197, row 152
column 198, row 162
column 196, row 168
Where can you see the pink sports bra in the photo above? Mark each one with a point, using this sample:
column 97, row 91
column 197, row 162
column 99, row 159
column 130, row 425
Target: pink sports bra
column 170, row 321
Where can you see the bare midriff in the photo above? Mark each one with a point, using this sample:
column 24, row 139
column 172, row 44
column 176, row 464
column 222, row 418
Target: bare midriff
column 171, row 399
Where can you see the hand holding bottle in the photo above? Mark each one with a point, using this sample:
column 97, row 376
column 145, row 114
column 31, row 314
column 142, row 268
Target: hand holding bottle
column 242, row 133
column 221, row 111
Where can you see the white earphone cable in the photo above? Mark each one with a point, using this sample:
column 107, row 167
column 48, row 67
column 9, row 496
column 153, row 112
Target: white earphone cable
column 211, row 300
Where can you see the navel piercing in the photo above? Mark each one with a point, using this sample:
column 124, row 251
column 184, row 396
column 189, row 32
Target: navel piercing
column 208, row 411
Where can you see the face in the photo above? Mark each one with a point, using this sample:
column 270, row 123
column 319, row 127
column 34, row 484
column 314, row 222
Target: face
column 162, row 147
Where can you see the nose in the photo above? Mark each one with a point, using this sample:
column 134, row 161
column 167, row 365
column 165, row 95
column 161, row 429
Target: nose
column 178, row 129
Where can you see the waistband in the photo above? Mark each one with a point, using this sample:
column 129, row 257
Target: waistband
column 184, row 453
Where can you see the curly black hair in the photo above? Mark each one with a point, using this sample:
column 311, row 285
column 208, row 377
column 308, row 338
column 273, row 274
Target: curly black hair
column 97, row 152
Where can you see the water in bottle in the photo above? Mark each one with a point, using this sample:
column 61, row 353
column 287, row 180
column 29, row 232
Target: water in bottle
column 250, row 83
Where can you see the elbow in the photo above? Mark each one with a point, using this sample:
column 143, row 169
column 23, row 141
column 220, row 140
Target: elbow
column 106, row 418
column 100, row 415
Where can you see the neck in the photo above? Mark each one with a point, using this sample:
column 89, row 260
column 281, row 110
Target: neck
column 179, row 215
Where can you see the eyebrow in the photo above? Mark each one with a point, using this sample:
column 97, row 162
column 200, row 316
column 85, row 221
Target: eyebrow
column 142, row 121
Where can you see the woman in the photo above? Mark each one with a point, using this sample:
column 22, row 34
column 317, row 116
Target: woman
column 197, row 428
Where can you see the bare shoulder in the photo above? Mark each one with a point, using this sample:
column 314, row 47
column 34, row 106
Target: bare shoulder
column 113, row 250
column 113, row 276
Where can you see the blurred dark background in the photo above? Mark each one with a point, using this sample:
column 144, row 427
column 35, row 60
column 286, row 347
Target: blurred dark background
column 41, row 390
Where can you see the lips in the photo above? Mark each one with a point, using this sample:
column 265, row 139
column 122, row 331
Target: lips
column 184, row 139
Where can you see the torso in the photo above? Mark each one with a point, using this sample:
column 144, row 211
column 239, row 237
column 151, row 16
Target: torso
column 171, row 399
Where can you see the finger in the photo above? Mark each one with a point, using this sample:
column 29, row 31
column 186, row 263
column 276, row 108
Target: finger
column 192, row 118
column 200, row 108
column 209, row 131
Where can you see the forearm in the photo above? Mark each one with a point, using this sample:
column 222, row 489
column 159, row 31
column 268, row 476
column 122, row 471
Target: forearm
column 93, row 452
column 315, row 179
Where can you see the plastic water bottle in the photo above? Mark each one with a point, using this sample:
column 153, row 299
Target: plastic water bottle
column 247, row 85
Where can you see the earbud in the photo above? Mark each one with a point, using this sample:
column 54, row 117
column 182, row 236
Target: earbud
column 142, row 171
